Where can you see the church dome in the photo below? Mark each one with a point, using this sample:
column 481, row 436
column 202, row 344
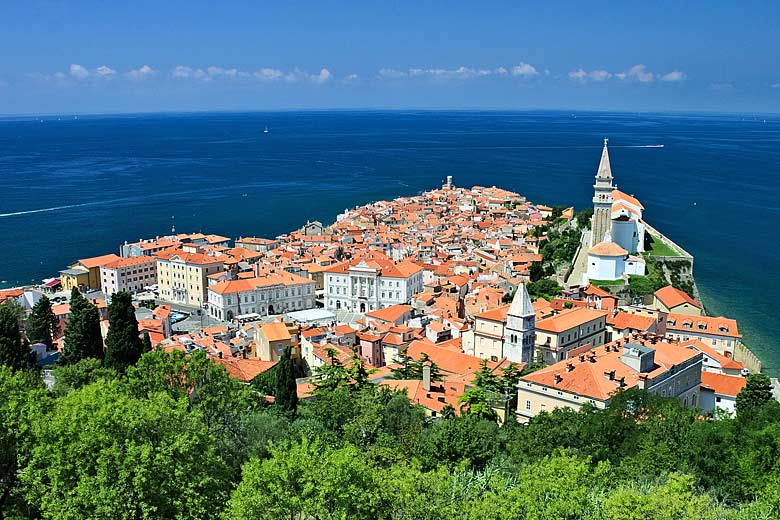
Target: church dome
column 607, row 249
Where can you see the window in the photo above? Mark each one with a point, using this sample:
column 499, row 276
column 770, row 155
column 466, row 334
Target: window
column 527, row 404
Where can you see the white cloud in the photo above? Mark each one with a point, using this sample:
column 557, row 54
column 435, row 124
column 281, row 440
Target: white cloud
column 269, row 74
column 104, row 71
column 77, row 71
column 215, row 72
column 639, row 72
column 594, row 75
column 524, row 70
column 776, row 85
column 185, row 72
column 675, row 75
column 322, row 77
column 351, row 77
column 144, row 71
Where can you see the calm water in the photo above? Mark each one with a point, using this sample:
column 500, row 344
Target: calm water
column 124, row 177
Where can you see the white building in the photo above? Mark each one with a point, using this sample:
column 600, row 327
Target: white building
column 364, row 285
column 272, row 293
column 128, row 274
column 609, row 261
column 519, row 333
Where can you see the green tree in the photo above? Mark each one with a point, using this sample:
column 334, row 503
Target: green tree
column 756, row 393
column 23, row 397
column 286, row 394
column 83, row 338
column 146, row 343
column 583, row 218
column 477, row 402
column 15, row 353
column 536, row 271
column 223, row 402
column 123, row 344
column 72, row 377
column 101, row 453
column 544, row 288
column 42, row 325
column 307, row 480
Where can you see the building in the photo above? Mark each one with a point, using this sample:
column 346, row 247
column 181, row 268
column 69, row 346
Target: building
column 368, row 284
column 718, row 332
column 85, row 273
column 258, row 245
column 182, row 277
column 558, row 334
column 602, row 200
column 719, row 392
column 520, row 331
column 271, row 293
column 128, row 274
column 628, row 229
column 660, row 367
column 270, row 340
column 669, row 299
column 609, row 261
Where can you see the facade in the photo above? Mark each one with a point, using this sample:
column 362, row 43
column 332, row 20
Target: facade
column 607, row 260
column 718, row 332
column 183, row 277
column 486, row 340
column 660, row 367
column 128, row 274
column 602, row 199
column 628, row 229
column 269, row 294
column 558, row 334
column 719, row 392
column 259, row 245
column 365, row 285
column 520, row 332
column 272, row 338
column 85, row 273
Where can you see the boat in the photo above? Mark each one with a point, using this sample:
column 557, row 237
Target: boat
column 266, row 130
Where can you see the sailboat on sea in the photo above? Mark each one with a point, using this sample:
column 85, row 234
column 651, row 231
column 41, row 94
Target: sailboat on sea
column 266, row 130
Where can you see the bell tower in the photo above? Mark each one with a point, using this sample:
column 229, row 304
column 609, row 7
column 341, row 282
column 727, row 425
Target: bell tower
column 602, row 199
column 520, row 333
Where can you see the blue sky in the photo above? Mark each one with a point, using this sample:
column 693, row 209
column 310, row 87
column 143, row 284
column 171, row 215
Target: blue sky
column 105, row 56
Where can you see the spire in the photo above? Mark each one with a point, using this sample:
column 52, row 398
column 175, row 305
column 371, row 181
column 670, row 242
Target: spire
column 605, row 171
column 521, row 303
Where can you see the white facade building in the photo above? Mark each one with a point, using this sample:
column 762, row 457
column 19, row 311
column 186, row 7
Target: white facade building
column 365, row 285
column 273, row 293
column 128, row 274
column 519, row 334
column 609, row 261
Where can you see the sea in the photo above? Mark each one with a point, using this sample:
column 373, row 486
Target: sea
column 78, row 186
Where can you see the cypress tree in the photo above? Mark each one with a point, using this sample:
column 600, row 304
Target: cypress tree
column 15, row 353
column 42, row 325
column 123, row 344
column 286, row 389
column 82, row 332
column 146, row 345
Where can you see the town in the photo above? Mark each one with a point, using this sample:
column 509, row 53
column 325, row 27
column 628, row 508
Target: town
column 427, row 294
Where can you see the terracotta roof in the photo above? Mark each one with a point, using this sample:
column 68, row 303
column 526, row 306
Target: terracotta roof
column 130, row 261
column 607, row 249
column 497, row 314
column 714, row 325
column 626, row 320
column 97, row 261
column 275, row 331
column 586, row 378
column 722, row 384
column 672, row 297
column 569, row 319
column 389, row 314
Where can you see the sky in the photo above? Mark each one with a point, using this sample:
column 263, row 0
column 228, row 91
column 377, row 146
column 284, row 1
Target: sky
column 145, row 56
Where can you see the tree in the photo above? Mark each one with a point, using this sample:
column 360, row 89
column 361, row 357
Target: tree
column 756, row 393
column 15, row 353
column 307, row 480
column 286, row 394
column 146, row 343
column 583, row 218
column 83, row 338
column 101, row 453
column 536, row 271
column 123, row 345
column 23, row 397
column 476, row 402
column 544, row 288
column 42, row 325
column 222, row 401
column 74, row 376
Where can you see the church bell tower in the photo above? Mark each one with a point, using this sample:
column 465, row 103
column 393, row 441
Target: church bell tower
column 520, row 333
column 602, row 200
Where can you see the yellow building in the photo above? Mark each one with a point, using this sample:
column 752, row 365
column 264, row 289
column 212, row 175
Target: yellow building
column 272, row 338
column 664, row 368
column 85, row 273
column 182, row 276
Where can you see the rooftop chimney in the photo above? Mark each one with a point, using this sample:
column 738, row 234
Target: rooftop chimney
column 426, row 373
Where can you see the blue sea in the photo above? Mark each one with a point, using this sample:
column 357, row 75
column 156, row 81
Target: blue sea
column 73, row 187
